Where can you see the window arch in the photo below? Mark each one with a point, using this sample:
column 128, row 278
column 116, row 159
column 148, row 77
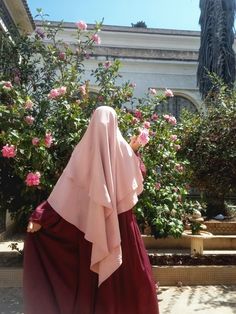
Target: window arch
column 174, row 105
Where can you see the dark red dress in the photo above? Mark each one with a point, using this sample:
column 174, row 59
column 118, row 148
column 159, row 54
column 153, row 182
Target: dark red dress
column 57, row 278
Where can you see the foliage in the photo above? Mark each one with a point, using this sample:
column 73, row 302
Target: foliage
column 45, row 106
column 209, row 142
column 216, row 54
column 140, row 24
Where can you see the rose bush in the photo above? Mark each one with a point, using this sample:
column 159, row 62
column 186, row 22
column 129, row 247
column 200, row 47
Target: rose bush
column 45, row 106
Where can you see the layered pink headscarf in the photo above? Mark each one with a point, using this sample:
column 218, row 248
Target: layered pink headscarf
column 101, row 180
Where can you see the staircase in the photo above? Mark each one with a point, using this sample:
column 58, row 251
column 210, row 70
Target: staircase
column 221, row 245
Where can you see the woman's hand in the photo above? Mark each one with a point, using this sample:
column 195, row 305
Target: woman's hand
column 33, row 227
column 134, row 143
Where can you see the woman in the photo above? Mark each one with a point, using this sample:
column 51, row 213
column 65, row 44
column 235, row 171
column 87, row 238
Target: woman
column 83, row 252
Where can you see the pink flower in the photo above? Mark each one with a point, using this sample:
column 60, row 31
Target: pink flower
column 143, row 137
column 134, row 120
column 146, row 124
column 29, row 120
column 172, row 120
column 28, row 104
column 100, row 98
column 152, row 91
column 107, row 64
column 154, row 117
column 7, row 85
column 173, row 137
column 82, row 89
column 33, row 178
column 158, row 186
column 54, row 93
column 8, row 151
column 179, row 168
column 96, row 39
column 48, row 140
column 138, row 114
column 169, row 93
column 81, row 25
column 62, row 56
column 62, row 90
column 35, row 141
column 57, row 92
column 177, row 147
column 166, row 117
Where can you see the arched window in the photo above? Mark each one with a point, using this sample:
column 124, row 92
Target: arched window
column 175, row 105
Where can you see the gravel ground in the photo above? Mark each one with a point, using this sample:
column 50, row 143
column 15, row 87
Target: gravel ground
column 11, row 301
column 172, row 300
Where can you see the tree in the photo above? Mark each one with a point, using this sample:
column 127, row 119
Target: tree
column 216, row 54
column 140, row 24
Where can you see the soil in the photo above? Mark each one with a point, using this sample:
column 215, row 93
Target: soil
column 179, row 260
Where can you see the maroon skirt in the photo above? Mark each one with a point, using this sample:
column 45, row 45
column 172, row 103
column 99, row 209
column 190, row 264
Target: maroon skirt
column 58, row 280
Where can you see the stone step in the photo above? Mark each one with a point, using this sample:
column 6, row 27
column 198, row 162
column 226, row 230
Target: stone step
column 217, row 242
column 164, row 275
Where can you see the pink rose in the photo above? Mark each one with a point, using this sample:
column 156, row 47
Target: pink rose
column 146, row 124
column 35, row 141
column 134, row 120
column 7, row 86
column 54, row 93
column 173, row 137
column 107, row 64
column 179, row 168
column 138, row 114
column 82, row 89
column 177, row 147
column 48, row 140
column 166, row 117
column 152, row 91
column 29, row 120
column 96, row 39
column 62, row 90
column 81, row 25
column 152, row 133
column 100, row 98
column 33, row 178
column 172, row 120
column 155, row 117
column 169, row 93
column 143, row 137
column 28, row 104
column 62, row 56
column 9, row 151
column 158, row 186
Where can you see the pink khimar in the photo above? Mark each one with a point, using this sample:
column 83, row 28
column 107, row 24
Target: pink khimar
column 101, row 180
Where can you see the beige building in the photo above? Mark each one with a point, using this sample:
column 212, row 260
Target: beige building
column 152, row 58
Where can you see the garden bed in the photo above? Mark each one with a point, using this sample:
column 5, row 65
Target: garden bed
column 188, row 260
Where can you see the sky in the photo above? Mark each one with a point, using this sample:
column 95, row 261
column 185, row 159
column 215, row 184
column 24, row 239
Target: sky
column 168, row 14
